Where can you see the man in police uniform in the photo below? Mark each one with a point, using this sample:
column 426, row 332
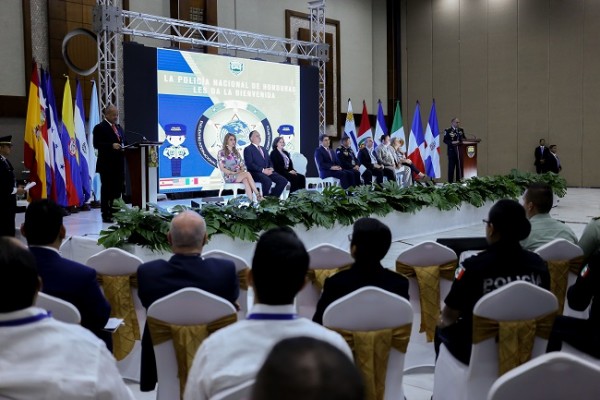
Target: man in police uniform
column 503, row 262
column 8, row 189
column 453, row 136
column 349, row 162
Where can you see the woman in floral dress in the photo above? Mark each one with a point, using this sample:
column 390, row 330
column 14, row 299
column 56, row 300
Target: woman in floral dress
column 233, row 168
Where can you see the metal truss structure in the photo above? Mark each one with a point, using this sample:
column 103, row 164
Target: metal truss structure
column 111, row 23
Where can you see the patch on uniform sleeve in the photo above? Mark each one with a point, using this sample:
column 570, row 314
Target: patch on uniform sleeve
column 460, row 271
column 585, row 272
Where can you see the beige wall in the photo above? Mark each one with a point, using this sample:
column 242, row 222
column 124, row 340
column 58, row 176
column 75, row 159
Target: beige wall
column 12, row 62
column 514, row 71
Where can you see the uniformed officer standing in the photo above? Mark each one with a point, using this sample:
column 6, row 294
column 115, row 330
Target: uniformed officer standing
column 349, row 162
column 8, row 189
column 453, row 136
column 503, row 262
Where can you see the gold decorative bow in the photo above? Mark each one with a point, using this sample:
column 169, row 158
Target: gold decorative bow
column 186, row 340
column 428, row 279
column 243, row 278
column 371, row 350
column 117, row 290
column 559, row 277
column 515, row 338
column 317, row 276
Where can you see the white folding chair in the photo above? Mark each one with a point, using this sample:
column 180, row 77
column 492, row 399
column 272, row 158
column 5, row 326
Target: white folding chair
column 233, row 186
column 552, row 376
column 240, row 265
column 563, row 250
column 61, row 310
column 322, row 257
column 239, row 392
column 330, row 181
column 118, row 262
column 188, row 306
column 369, row 309
column 421, row 354
column 314, row 184
column 515, row 301
column 300, row 162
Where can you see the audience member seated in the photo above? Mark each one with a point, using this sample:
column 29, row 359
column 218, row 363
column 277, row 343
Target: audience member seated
column 582, row 334
column 369, row 243
column 503, row 262
column 259, row 164
column 233, row 169
column 186, row 268
column 69, row 280
column 234, row 354
column 368, row 157
column 590, row 238
column 282, row 164
column 538, row 203
column 329, row 166
column 40, row 357
column 385, row 154
column 349, row 162
column 401, row 159
column 304, row 368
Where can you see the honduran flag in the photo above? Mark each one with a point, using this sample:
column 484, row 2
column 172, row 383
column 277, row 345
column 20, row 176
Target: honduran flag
column 364, row 130
column 380, row 126
column 35, row 139
column 416, row 141
column 398, row 127
column 82, row 146
column 93, row 121
column 350, row 127
column 432, row 139
column 58, row 193
column 69, row 145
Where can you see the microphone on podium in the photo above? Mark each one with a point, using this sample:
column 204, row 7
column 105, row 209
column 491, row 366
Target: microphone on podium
column 138, row 135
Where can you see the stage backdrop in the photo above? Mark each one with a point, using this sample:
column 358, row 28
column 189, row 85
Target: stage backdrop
column 194, row 99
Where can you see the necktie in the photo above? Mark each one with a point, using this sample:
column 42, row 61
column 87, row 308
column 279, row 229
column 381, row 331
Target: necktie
column 116, row 131
column 261, row 151
column 330, row 156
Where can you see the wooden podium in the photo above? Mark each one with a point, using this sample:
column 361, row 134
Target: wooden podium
column 467, row 153
column 142, row 177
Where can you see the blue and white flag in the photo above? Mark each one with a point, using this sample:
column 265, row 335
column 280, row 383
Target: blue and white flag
column 432, row 143
column 93, row 121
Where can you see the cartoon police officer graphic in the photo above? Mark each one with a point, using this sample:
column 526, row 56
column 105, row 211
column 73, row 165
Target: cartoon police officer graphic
column 175, row 134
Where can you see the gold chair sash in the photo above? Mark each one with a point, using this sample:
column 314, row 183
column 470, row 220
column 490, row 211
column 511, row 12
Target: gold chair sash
column 428, row 279
column 117, row 290
column 186, row 340
column 515, row 338
column 559, row 277
column 317, row 276
column 243, row 278
column 371, row 350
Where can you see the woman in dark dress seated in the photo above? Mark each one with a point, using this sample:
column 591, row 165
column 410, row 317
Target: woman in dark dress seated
column 282, row 164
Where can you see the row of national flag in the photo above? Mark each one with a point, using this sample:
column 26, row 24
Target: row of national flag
column 58, row 151
column 423, row 147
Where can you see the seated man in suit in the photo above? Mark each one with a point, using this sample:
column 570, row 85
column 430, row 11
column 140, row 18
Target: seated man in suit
column 260, row 167
column 43, row 358
column 68, row 280
column 369, row 243
column 328, row 164
column 186, row 268
column 368, row 158
column 233, row 355
column 349, row 162
column 538, row 203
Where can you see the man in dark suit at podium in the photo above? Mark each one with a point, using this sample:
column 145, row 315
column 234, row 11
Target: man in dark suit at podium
column 453, row 137
column 109, row 140
column 260, row 167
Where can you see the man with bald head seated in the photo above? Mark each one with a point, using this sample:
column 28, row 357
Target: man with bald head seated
column 369, row 243
column 503, row 262
column 186, row 268
column 40, row 357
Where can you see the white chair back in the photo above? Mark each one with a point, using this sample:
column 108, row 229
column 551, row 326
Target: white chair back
column 323, row 256
column 330, row 181
column 371, row 308
column 239, row 392
column 80, row 248
column 240, row 265
column 300, row 162
column 114, row 261
column 61, row 310
column 518, row 300
column 314, row 184
column 552, row 376
column 188, row 306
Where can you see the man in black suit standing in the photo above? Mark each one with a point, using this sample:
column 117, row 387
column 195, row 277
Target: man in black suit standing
column 186, row 268
column 453, row 136
column 260, row 167
column 552, row 160
column 8, row 189
column 368, row 157
column 109, row 140
column 540, row 154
